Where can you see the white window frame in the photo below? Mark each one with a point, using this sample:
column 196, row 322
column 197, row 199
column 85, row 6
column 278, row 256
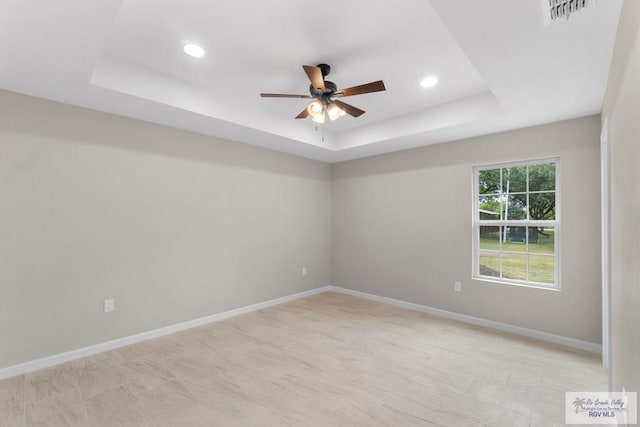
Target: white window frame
column 477, row 222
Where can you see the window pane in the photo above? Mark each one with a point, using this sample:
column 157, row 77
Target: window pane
column 489, row 264
column 514, row 180
column 542, row 269
column 489, row 181
column 490, row 207
column 542, row 206
column 511, row 199
column 516, row 240
column 542, row 240
column 490, row 237
column 516, row 206
column 514, row 266
column 542, row 177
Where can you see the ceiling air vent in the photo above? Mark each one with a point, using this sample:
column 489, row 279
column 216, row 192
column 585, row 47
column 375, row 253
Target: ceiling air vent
column 556, row 10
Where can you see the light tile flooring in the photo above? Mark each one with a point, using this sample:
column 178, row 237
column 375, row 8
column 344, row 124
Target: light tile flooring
column 327, row 360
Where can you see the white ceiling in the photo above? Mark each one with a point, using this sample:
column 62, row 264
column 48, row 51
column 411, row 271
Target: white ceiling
column 500, row 66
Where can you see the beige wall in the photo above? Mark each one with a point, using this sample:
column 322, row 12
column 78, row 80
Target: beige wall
column 177, row 226
column 171, row 224
column 622, row 109
column 401, row 228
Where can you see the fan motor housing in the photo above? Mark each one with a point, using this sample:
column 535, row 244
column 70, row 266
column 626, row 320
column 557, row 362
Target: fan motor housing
column 329, row 89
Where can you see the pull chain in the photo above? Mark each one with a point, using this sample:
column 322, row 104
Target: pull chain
column 322, row 131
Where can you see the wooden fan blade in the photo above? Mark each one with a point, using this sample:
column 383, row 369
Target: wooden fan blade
column 362, row 89
column 315, row 76
column 303, row 114
column 283, row 95
column 349, row 109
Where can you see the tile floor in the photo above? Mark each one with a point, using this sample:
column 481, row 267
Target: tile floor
column 329, row 359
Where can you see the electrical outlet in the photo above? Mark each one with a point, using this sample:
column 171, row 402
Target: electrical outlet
column 304, row 271
column 109, row 305
column 457, row 286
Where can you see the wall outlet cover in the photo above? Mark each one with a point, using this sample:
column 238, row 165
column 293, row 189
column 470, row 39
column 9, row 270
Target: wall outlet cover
column 109, row 305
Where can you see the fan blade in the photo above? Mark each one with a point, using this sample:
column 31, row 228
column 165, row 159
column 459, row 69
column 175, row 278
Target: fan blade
column 315, row 76
column 283, row 95
column 362, row 89
column 349, row 109
column 303, row 114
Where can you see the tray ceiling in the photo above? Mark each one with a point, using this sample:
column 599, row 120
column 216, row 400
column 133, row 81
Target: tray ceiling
column 499, row 66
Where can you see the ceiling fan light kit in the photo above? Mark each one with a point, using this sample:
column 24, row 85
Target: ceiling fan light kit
column 334, row 111
column 325, row 95
column 316, row 111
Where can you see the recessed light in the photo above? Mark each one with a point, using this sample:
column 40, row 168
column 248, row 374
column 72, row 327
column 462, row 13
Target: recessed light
column 193, row 50
column 429, row 81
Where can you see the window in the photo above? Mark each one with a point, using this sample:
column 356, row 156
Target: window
column 517, row 223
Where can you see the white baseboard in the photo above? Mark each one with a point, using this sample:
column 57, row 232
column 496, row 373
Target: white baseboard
column 504, row 327
column 56, row 359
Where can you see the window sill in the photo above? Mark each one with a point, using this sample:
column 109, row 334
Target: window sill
column 514, row 283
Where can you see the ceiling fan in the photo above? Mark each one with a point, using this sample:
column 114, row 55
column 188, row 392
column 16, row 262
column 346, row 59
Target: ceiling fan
column 325, row 95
